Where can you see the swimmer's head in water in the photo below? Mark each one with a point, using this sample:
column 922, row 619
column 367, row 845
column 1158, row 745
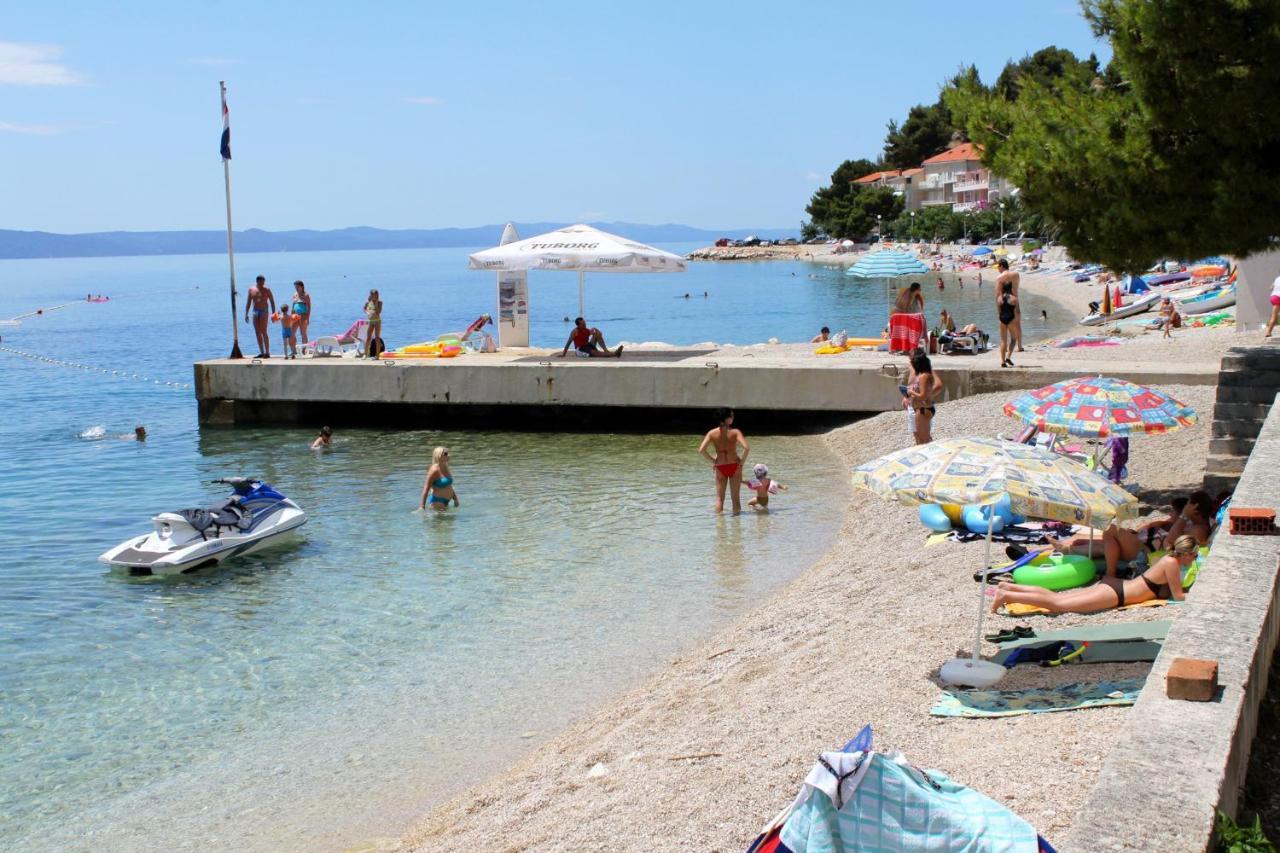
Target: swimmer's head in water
column 761, row 471
column 140, row 433
column 724, row 415
column 440, row 454
column 326, row 431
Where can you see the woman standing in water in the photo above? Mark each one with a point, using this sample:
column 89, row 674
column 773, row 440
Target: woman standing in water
column 438, row 489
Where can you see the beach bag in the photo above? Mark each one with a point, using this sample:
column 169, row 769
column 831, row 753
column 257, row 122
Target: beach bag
column 887, row 804
column 841, row 339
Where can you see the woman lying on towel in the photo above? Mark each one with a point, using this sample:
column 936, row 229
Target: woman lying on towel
column 1192, row 515
column 1163, row 580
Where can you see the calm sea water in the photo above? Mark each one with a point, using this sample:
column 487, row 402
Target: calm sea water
column 326, row 693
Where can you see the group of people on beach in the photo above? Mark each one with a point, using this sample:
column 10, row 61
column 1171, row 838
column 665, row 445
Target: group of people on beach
column 1180, row 535
column 294, row 317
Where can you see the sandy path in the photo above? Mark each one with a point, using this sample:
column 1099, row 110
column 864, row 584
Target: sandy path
column 706, row 751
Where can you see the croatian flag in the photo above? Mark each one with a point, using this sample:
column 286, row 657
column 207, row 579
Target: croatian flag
column 226, row 127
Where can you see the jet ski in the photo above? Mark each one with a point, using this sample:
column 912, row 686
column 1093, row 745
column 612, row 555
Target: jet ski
column 256, row 516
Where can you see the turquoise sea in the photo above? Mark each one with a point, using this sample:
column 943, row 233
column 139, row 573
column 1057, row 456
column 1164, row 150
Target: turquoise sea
column 324, row 694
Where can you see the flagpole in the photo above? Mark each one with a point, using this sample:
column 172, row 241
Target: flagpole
column 231, row 250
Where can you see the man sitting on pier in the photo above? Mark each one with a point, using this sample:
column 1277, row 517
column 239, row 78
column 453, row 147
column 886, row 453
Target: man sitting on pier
column 589, row 342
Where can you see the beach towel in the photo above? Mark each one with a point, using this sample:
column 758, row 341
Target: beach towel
column 1033, row 610
column 905, row 331
column 1039, row 700
column 1107, row 651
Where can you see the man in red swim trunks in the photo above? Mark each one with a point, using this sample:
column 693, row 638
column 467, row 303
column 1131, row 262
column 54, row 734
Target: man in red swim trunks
column 727, row 463
column 588, row 342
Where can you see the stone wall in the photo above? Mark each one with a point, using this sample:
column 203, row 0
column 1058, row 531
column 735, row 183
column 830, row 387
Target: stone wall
column 1175, row 762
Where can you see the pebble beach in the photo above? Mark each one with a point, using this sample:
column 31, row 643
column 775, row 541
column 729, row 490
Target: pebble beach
column 712, row 745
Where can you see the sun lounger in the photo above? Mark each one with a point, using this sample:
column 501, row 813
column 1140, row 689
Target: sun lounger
column 350, row 341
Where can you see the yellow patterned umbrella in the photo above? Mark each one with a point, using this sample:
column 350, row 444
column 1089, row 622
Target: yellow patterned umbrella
column 1038, row 483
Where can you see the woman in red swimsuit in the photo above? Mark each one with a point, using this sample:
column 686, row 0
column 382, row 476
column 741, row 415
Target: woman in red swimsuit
column 726, row 461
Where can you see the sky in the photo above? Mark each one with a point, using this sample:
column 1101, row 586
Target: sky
column 430, row 115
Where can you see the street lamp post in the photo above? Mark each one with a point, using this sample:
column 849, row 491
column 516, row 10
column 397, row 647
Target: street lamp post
column 1001, row 223
column 879, row 230
column 913, row 226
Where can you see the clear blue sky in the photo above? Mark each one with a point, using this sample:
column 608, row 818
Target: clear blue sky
column 413, row 114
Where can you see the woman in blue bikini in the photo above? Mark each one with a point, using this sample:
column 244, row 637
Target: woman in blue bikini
column 302, row 308
column 438, row 489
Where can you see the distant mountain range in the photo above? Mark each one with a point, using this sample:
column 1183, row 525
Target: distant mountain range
column 43, row 244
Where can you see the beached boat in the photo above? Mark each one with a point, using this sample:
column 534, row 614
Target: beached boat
column 1145, row 302
column 1213, row 300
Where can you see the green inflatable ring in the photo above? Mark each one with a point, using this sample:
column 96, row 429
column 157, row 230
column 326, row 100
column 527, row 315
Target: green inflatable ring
column 1056, row 571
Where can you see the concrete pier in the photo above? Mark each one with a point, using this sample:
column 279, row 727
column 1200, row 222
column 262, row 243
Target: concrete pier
column 778, row 389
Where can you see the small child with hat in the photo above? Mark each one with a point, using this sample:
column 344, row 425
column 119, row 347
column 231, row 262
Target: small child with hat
column 763, row 486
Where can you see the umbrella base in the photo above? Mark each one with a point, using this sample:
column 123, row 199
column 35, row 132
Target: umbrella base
column 967, row 672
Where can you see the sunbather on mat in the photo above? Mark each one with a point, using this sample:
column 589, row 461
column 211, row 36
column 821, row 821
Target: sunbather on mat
column 1163, row 580
column 1191, row 515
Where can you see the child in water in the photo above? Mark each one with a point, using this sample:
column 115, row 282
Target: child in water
column 763, row 486
column 324, row 439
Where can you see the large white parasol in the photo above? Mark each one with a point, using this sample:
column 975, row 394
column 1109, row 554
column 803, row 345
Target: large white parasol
column 580, row 248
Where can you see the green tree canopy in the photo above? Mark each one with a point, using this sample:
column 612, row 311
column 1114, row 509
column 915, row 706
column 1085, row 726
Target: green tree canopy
column 847, row 209
column 926, row 131
column 1174, row 150
column 1044, row 66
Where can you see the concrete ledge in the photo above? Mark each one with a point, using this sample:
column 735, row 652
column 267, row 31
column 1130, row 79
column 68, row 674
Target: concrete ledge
column 516, row 390
column 1176, row 762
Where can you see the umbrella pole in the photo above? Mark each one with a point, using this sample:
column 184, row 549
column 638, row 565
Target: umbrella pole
column 982, row 587
column 582, row 293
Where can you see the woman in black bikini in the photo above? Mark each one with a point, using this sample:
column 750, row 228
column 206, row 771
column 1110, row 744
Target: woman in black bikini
column 1163, row 580
column 1193, row 517
column 921, row 395
column 1006, row 312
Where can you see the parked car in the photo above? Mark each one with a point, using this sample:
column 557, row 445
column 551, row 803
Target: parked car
column 790, row 241
column 723, row 241
column 1014, row 236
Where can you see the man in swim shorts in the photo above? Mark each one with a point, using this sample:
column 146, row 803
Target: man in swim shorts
column 588, row 342
column 261, row 303
column 726, row 461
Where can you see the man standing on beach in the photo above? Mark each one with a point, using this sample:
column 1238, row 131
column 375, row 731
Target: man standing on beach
column 725, row 461
column 261, row 303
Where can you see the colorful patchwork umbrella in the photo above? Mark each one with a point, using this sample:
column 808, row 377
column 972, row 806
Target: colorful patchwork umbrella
column 1100, row 407
column 1038, row 483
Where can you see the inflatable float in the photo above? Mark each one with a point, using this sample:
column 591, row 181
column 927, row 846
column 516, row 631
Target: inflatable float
column 427, row 349
column 941, row 518
column 1056, row 572
column 832, row 349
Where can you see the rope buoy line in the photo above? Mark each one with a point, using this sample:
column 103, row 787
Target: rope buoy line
column 120, row 374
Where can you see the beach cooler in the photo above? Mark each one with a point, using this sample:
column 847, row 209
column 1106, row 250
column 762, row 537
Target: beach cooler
column 905, row 332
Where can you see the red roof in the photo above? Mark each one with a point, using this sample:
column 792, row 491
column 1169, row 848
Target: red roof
column 958, row 153
column 875, row 176
column 908, row 173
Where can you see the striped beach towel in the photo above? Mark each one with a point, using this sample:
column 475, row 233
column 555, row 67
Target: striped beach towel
column 905, row 331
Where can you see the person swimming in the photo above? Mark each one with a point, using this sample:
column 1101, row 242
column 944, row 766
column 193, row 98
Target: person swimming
column 438, row 489
column 324, row 439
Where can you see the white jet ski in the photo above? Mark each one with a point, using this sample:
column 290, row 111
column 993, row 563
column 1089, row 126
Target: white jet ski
column 256, row 516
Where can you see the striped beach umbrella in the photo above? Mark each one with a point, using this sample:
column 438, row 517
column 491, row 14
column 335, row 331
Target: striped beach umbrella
column 887, row 263
column 975, row 470
column 1100, row 407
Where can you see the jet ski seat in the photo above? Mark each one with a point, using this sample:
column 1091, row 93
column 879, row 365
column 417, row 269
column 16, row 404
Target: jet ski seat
column 227, row 514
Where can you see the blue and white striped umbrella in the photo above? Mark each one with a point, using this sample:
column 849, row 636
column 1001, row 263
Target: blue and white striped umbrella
column 888, row 263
